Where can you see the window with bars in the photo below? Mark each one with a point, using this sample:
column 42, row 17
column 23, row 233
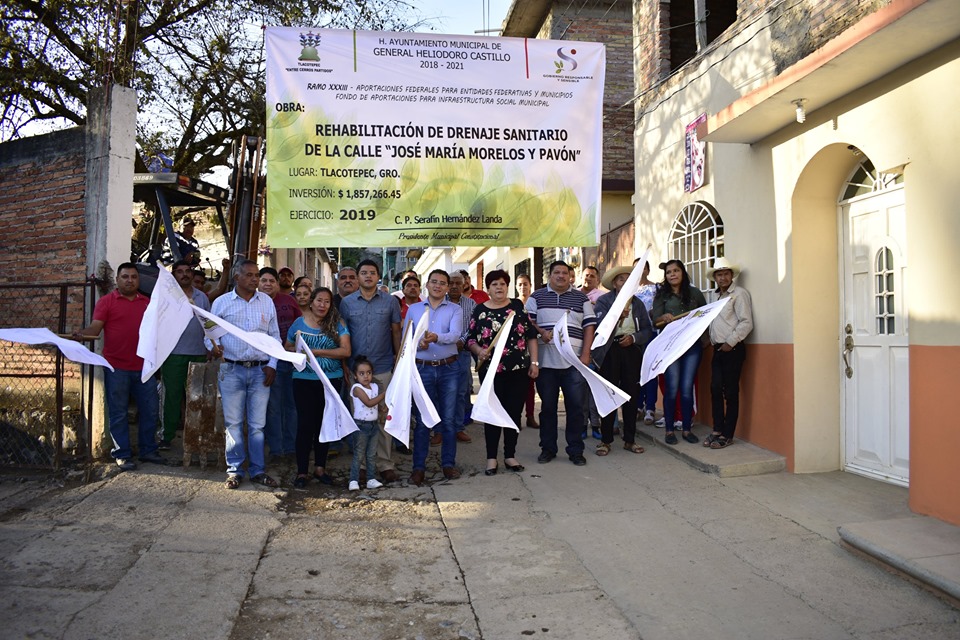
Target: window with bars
column 696, row 239
column 884, row 294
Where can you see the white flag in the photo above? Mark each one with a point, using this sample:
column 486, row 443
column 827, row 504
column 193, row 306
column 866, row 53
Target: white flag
column 260, row 341
column 488, row 408
column 607, row 396
column 167, row 316
column 337, row 421
column 71, row 350
column 627, row 291
column 406, row 387
column 676, row 338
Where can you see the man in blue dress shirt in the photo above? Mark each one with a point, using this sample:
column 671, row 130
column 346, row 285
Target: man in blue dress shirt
column 438, row 363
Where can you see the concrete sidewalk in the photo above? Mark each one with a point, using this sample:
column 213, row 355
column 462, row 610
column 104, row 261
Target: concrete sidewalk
column 629, row 546
column 923, row 548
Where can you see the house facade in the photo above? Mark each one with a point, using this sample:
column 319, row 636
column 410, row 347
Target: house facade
column 811, row 142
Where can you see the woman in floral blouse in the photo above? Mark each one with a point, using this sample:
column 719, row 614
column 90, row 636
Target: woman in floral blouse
column 517, row 363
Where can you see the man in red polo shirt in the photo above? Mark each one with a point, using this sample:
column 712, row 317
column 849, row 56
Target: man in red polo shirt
column 118, row 315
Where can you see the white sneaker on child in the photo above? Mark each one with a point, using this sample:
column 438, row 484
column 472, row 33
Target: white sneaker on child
column 661, row 423
column 374, row 484
column 648, row 417
column 354, row 485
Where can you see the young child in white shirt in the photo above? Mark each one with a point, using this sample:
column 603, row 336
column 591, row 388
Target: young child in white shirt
column 366, row 397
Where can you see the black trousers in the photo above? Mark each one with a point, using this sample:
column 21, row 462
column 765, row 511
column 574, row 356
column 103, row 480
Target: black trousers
column 621, row 366
column 308, row 394
column 725, row 388
column 510, row 388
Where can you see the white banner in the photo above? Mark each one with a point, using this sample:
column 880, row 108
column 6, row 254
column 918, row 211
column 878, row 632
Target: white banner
column 627, row 291
column 406, row 387
column 167, row 316
column 261, row 341
column 406, row 139
column 607, row 396
column 488, row 408
column 70, row 349
column 676, row 338
column 337, row 420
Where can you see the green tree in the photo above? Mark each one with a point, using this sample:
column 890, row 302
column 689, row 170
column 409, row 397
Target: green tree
column 197, row 65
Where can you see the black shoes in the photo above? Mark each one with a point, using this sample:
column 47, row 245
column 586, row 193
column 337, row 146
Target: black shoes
column 546, row 457
column 578, row 460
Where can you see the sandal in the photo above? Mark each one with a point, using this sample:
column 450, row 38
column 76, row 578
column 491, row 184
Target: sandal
column 633, row 447
column 265, row 480
column 721, row 442
column 232, row 482
column 603, row 449
column 670, row 438
column 710, row 439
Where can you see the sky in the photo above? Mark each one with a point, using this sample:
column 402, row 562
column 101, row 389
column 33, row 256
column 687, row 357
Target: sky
column 464, row 16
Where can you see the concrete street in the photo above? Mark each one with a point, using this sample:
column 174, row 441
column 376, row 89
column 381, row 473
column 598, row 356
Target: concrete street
column 630, row 546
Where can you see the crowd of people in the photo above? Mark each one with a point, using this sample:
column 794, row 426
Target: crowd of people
column 355, row 334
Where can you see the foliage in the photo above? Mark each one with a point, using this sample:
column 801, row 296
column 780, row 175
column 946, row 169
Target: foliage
column 197, row 65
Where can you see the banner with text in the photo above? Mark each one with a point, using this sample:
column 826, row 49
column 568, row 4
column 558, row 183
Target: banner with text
column 406, row 139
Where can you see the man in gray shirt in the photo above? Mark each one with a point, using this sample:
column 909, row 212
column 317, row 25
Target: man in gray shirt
column 373, row 318
column 190, row 348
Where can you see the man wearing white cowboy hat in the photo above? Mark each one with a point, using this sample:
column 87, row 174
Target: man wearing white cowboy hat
column 727, row 333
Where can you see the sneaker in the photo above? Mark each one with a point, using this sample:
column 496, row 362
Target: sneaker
column 164, row 445
column 678, row 424
column 373, row 484
column 355, row 486
column 154, row 458
column 659, row 424
column 126, row 464
column 648, row 417
column 596, row 433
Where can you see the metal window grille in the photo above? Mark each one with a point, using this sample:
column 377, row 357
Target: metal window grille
column 884, row 294
column 696, row 239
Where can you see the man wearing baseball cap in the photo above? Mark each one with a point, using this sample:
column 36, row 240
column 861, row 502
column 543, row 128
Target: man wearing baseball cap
column 286, row 278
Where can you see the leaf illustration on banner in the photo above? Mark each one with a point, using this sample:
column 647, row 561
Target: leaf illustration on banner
column 289, row 148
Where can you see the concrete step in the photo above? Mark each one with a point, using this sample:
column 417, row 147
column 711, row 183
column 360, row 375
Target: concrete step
column 739, row 459
column 924, row 548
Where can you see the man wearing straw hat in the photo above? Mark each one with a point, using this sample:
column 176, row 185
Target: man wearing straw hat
column 727, row 333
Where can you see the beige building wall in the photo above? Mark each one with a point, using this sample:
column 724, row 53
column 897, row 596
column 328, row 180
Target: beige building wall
column 778, row 199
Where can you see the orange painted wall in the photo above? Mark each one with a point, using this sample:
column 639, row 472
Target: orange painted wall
column 934, row 432
column 766, row 398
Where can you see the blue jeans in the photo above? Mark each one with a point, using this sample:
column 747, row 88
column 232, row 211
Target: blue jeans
column 648, row 395
column 441, row 384
column 364, row 447
column 549, row 384
column 120, row 386
column 280, row 430
column 466, row 386
column 680, row 376
column 243, row 396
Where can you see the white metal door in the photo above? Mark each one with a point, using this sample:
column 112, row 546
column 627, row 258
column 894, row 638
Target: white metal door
column 875, row 339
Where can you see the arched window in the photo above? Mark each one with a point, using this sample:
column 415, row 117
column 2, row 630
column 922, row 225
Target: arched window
column 696, row 239
column 866, row 179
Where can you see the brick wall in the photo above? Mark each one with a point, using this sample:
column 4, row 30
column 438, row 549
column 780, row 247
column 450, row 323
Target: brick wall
column 798, row 28
column 42, row 223
column 609, row 23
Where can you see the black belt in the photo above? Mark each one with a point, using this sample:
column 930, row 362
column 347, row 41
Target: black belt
column 438, row 363
column 249, row 364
